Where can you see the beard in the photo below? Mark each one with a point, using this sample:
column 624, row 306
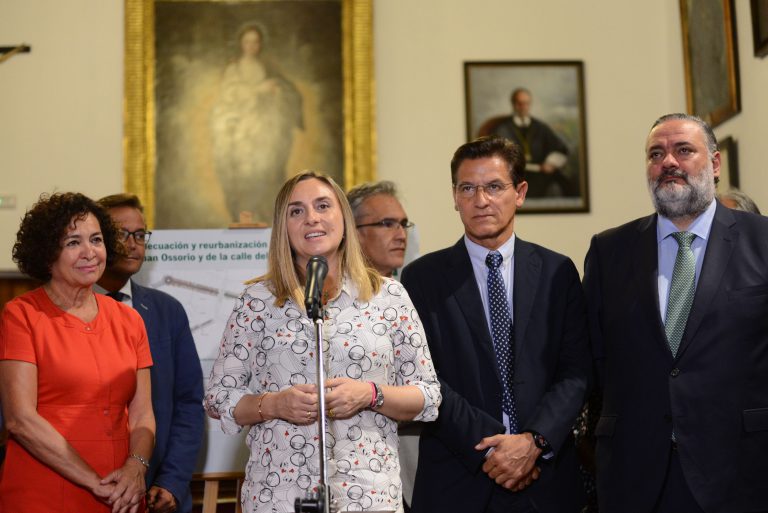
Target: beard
column 690, row 199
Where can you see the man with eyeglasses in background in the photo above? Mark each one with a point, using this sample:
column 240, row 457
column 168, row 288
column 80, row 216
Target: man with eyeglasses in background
column 177, row 378
column 506, row 326
column 382, row 225
column 382, row 228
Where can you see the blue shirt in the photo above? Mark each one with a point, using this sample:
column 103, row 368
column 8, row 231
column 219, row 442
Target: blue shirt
column 477, row 255
column 667, row 248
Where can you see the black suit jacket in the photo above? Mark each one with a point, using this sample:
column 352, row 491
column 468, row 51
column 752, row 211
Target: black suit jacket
column 551, row 375
column 714, row 392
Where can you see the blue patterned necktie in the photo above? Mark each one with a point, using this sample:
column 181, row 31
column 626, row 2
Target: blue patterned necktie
column 502, row 333
column 681, row 290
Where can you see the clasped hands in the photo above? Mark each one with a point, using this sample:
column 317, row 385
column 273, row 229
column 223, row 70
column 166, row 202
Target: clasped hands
column 123, row 488
column 344, row 397
column 512, row 462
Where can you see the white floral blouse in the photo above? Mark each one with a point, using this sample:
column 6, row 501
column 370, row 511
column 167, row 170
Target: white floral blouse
column 269, row 348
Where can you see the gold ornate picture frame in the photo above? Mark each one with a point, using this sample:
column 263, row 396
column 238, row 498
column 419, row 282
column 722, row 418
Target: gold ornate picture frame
column 197, row 198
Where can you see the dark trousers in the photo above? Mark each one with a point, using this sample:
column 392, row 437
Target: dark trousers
column 503, row 501
column 676, row 496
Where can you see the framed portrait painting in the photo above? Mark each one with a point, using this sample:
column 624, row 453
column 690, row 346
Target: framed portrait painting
column 711, row 59
column 540, row 106
column 225, row 100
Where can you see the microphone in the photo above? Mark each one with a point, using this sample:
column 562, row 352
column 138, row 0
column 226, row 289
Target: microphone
column 317, row 269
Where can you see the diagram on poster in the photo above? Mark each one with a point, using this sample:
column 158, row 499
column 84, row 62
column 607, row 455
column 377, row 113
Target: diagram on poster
column 206, row 270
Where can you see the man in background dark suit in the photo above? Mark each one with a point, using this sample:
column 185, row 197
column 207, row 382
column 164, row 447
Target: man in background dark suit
column 678, row 305
column 177, row 378
column 503, row 440
column 546, row 154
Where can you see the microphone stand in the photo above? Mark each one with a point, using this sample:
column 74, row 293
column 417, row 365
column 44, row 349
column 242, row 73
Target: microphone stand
column 320, row 501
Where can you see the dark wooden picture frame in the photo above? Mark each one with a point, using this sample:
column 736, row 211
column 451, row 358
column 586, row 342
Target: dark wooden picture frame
column 760, row 27
column 729, row 164
column 558, row 125
column 711, row 59
column 315, row 57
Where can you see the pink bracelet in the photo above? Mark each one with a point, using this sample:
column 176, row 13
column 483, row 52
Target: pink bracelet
column 373, row 394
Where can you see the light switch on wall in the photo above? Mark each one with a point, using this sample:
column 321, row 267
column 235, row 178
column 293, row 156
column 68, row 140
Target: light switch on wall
column 7, row 201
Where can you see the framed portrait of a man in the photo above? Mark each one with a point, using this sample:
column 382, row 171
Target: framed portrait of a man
column 540, row 106
column 226, row 100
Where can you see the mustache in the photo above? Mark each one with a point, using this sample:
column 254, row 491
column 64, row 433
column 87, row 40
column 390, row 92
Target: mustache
column 672, row 173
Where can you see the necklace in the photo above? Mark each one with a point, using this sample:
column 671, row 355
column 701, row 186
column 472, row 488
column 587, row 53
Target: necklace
column 329, row 292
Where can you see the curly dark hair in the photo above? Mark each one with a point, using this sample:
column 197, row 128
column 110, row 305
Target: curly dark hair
column 38, row 241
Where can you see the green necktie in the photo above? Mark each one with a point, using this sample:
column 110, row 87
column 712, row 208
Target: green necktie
column 681, row 290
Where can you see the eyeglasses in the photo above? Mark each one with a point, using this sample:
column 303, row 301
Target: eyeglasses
column 493, row 189
column 140, row 236
column 390, row 224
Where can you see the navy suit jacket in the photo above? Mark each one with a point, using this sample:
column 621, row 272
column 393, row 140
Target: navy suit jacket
column 714, row 392
column 177, row 393
column 551, row 376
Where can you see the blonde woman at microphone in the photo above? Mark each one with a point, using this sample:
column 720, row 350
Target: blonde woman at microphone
column 377, row 364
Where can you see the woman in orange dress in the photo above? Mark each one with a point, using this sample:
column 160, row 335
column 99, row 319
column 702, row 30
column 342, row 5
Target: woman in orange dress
column 74, row 376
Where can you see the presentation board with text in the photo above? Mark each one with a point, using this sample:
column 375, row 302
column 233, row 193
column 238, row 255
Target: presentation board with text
column 205, row 271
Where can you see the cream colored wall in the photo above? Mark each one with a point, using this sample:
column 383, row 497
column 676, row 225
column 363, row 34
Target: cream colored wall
column 632, row 53
column 629, row 72
column 61, row 105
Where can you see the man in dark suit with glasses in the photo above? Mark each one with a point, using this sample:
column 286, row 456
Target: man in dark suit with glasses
column 382, row 227
column 506, row 325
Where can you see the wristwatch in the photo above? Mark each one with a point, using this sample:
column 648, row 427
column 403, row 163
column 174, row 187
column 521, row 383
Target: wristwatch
column 540, row 442
column 378, row 401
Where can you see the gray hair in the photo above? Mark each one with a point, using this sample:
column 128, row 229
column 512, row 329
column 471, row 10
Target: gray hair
column 742, row 201
column 357, row 195
column 705, row 128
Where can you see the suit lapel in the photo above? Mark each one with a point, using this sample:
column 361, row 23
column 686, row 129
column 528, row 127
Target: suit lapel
column 467, row 297
column 140, row 303
column 524, row 288
column 646, row 275
column 722, row 239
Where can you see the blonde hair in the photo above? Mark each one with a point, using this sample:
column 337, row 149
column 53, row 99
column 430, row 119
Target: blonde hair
column 284, row 278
